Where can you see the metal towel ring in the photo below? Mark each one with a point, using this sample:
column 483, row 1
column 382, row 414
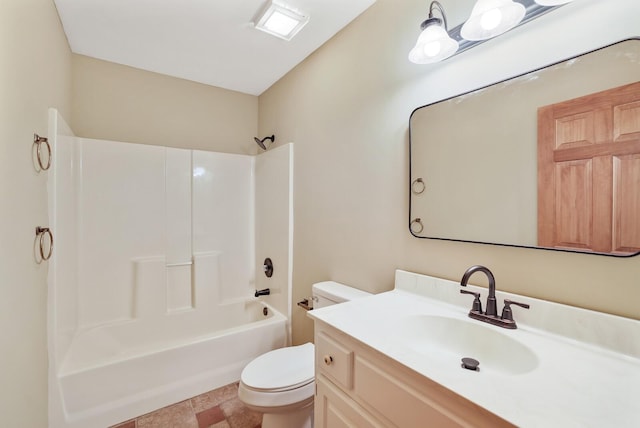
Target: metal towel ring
column 38, row 140
column 418, row 186
column 41, row 232
column 415, row 230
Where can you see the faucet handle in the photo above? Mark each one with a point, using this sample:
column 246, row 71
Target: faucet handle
column 507, row 314
column 477, row 304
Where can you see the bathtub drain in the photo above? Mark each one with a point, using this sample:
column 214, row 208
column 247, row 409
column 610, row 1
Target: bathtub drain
column 265, row 311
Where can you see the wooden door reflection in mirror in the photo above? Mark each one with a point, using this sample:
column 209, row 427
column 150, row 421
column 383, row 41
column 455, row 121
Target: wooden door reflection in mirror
column 589, row 172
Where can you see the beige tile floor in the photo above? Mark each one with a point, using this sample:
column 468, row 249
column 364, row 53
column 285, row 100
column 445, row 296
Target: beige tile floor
column 219, row 408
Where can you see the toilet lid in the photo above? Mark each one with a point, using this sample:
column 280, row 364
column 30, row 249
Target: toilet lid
column 281, row 369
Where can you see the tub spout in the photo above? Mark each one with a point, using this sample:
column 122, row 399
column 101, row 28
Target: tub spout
column 264, row 292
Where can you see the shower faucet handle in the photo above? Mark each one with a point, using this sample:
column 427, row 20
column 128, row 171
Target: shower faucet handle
column 267, row 267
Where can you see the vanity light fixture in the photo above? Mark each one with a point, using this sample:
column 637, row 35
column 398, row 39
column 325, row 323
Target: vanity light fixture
column 490, row 18
column 281, row 20
column 434, row 43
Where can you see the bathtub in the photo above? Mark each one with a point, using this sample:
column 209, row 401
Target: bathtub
column 122, row 370
column 151, row 285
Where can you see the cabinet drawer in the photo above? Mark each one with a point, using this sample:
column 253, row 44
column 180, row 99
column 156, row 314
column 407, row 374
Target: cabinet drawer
column 334, row 360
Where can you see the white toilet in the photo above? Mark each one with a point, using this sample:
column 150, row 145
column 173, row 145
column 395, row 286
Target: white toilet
column 280, row 384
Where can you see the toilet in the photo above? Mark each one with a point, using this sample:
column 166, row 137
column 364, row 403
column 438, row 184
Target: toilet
column 280, row 384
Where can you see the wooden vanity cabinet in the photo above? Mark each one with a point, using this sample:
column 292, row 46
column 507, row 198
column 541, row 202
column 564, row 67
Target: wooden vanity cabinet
column 357, row 386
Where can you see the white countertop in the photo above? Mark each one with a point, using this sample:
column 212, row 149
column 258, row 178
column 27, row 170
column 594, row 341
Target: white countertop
column 585, row 376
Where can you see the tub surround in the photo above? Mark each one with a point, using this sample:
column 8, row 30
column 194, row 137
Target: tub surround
column 585, row 369
column 151, row 284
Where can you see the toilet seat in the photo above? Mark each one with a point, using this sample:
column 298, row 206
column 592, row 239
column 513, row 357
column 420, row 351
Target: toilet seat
column 279, row 379
column 283, row 369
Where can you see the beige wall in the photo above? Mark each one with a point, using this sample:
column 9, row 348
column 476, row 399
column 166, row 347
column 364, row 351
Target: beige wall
column 35, row 73
column 347, row 107
column 120, row 103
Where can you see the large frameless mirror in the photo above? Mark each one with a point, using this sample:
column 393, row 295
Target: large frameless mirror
column 549, row 159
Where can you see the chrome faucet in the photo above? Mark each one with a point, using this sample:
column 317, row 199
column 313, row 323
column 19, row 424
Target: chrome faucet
column 491, row 314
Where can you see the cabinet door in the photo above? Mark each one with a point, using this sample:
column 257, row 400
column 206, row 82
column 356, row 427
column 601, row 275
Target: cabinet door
column 334, row 409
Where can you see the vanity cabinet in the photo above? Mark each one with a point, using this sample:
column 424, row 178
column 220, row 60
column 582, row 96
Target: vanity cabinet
column 357, row 386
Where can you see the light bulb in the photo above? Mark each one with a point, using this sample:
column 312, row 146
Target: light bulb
column 491, row 19
column 434, row 44
column 432, row 49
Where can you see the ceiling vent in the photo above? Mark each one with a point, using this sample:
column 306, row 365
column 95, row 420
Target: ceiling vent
column 281, row 20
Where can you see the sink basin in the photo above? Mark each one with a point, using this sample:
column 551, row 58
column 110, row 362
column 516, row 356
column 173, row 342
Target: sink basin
column 450, row 339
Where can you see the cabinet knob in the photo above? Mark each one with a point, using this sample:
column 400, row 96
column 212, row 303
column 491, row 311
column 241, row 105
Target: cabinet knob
column 328, row 359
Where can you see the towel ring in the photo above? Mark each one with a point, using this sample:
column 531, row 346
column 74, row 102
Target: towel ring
column 419, row 228
column 38, row 140
column 41, row 232
column 418, row 186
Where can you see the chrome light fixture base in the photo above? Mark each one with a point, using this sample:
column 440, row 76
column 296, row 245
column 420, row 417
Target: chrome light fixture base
column 552, row 2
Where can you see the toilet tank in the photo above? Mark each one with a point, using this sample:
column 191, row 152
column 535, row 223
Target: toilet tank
column 329, row 293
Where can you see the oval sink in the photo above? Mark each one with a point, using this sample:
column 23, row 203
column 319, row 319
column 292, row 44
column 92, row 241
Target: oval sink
column 451, row 339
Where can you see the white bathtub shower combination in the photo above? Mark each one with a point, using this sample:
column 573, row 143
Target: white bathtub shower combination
column 158, row 252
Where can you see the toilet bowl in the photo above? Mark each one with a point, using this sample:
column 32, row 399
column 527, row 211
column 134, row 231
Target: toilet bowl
column 280, row 384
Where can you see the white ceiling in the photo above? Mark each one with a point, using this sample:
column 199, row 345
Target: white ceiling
column 207, row 41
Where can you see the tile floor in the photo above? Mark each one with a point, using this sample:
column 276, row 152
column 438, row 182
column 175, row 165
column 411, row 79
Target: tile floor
column 219, row 408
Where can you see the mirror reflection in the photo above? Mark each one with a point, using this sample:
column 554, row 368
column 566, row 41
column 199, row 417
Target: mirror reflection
column 549, row 159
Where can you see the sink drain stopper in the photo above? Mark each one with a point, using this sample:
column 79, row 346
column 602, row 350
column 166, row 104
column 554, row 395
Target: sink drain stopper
column 470, row 364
